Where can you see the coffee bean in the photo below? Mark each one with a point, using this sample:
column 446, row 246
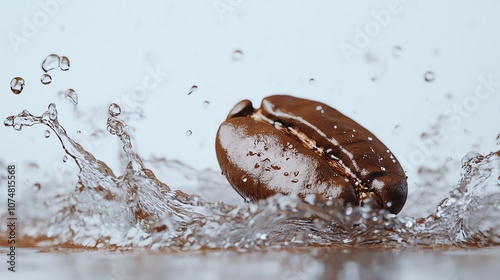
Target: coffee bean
column 294, row 145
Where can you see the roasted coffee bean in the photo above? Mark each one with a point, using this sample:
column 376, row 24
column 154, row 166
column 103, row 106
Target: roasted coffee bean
column 294, row 145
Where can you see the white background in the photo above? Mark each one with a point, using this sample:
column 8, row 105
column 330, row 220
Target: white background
column 113, row 46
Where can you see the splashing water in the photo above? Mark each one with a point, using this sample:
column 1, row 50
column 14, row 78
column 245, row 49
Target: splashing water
column 138, row 210
column 71, row 95
column 46, row 79
column 429, row 76
column 237, row 55
column 51, row 62
column 193, row 89
column 17, row 85
column 64, row 63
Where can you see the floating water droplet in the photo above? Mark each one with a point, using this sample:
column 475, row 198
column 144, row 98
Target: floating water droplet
column 37, row 186
column 50, row 62
column 397, row 130
column 193, row 89
column 237, row 55
column 370, row 139
column 52, row 110
column 17, row 85
column 429, row 76
column 64, row 63
column 65, row 158
column 189, row 133
column 205, row 104
column 47, row 133
column 469, row 156
column 311, row 81
column 78, row 132
column 71, row 95
column 114, row 110
column 46, row 79
column 382, row 168
column 396, row 51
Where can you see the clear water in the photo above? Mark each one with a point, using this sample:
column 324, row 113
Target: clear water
column 136, row 210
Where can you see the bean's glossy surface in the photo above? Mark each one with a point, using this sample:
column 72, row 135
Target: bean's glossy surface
column 294, row 145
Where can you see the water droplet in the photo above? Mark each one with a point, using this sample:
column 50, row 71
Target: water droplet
column 370, row 139
column 71, row 95
column 78, row 132
column 205, row 104
column 335, row 127
column 237, row 55
column 64, row 63
column 319, row 108
column 256, row 165
column 47, row 133
column 9, row 121
column 396, row 51
column 296, row 173
column 114, row 110
column 193, row 89
column 286, row 174
column 50, row 62
column 17, row 85
column 189, row 133
column 52, row 111
column 65, row 158
column 295, row 180
column 429, row 76
column 469, row 156
column 311, row 81
column 46, row 79
column 397, row 130
column 382, row 168
column 37, row 186
column 308, row 186
column 498, row 140
column 245, row 179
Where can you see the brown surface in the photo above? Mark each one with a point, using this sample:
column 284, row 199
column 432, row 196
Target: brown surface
column 339, row 147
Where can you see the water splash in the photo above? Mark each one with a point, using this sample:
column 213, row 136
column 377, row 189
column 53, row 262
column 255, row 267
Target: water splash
column 64, row 63
column 138, row 210
column 71, row 95
column 46, row 79
column 17, row 85
column 237, row 55
column 51, row 62
column 193, row 89
column 429, row 76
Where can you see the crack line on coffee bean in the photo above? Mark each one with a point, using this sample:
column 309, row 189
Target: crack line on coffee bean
column 361, row 191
